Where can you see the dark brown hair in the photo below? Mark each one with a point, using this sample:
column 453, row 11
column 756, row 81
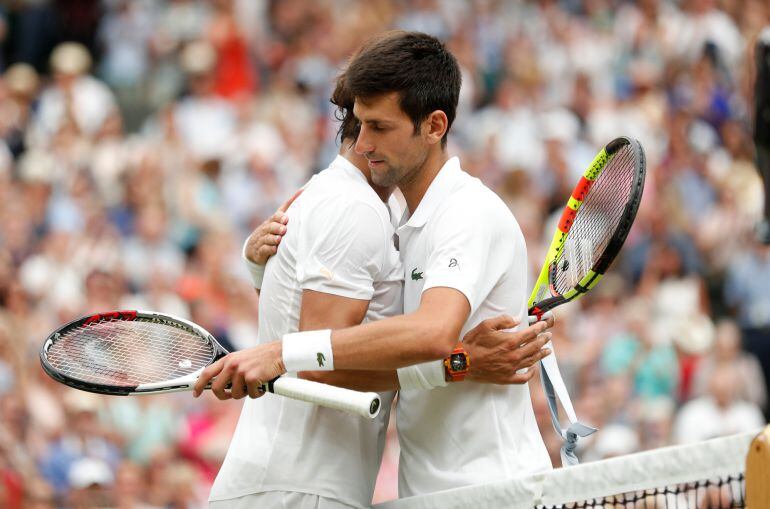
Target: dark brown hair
column 343, row 100
column 414, row 64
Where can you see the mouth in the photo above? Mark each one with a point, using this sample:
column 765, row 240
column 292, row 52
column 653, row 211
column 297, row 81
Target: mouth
column 373, row 163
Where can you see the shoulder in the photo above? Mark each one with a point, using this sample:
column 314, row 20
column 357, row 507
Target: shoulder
column 334, row 208
column 473, row 203
column 331, row 200
column 334, row 193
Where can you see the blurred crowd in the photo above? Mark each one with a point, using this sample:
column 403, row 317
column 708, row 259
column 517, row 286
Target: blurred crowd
column 141, row 141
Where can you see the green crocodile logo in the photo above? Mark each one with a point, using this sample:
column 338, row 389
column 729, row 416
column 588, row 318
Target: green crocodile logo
column 320, row 358
column 416, row 275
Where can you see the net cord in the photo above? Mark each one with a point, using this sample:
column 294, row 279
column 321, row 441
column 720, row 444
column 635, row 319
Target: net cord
column 711, row 459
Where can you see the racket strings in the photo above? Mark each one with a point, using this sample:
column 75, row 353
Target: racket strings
column 596, row 221
column 129, row 353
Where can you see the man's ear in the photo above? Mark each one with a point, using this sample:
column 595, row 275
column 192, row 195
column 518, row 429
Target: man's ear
column 435, row 126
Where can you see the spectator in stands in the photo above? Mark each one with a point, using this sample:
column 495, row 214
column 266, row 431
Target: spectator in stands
column 720, row 412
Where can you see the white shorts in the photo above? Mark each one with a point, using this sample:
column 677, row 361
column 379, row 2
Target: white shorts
column 279, row 500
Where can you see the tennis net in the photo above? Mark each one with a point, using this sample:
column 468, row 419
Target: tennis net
column 705, row 475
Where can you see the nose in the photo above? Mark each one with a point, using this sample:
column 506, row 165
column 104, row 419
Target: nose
column 363, row 145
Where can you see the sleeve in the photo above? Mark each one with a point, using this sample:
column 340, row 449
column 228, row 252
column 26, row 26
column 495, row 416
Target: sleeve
column 423, row 376
column 341, row 248
column 460, row 253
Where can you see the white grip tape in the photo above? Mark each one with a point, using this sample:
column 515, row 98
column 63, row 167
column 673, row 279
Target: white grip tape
column 308, row 351
column 532, row 320
column 365, row 404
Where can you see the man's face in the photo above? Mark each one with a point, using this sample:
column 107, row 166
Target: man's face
column 394, row 151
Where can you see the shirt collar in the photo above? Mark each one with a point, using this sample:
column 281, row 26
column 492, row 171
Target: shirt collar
column 441, row 187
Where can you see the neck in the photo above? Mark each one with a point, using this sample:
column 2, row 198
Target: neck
column 360, row 162
column 414, row 190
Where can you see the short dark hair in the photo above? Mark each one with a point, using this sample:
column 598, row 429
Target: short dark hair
column 343, row 100
column 416, row 65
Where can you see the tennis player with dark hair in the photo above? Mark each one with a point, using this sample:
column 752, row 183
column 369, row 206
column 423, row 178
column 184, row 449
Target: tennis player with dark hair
column 336, row 268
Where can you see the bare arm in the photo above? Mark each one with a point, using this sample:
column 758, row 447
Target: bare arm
column 326, row 311
column 429, row 333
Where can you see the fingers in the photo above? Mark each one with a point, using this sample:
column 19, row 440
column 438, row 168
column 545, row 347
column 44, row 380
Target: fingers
column 521, row 337
column 534, row 346
column 501, row 322
column 269, row 239
column 265, row 252
column 522, row 378
column 287, row 203
column 206, row 376
column 529, row 361
column 238, row 386
column 276, row 228
column 221, row 383
column 254, row 389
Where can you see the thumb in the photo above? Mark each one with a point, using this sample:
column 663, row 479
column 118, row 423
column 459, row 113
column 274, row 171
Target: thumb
column 502, row 322
column 287, row 203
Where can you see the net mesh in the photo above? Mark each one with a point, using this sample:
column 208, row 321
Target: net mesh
column 706, row 475
column 717, row 493
column 129, row 353
column 596, row 221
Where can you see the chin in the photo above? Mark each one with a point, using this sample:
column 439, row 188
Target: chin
column 383, row 179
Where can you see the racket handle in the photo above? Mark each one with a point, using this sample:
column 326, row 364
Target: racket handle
column 531, row 319
column 365, row 404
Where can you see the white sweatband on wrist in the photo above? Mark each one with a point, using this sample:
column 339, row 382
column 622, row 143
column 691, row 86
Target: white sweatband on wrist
column 308, row 351
column 423, row 376
column 256, row 271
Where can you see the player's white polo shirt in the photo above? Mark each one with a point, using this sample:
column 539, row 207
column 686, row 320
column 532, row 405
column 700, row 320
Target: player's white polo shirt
column 339, row 241
column 463, row 236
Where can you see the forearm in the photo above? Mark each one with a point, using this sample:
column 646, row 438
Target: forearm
column 394, row 343
column 358, row 380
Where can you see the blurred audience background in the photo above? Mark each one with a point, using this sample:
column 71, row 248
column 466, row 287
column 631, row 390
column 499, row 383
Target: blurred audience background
column 141, row 141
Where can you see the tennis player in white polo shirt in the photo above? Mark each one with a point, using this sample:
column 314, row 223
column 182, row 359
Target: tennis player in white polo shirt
column 337, row 266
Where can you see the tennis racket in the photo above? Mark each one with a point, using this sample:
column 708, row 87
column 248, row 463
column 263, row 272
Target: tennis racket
column 143, row 352
column 589, row 235
column 593, row 226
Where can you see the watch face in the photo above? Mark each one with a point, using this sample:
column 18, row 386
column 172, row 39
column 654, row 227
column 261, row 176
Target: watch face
column 458, row 362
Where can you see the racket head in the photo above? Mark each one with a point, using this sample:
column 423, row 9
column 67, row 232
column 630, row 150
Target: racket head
column 593, row 226
column 128, row 352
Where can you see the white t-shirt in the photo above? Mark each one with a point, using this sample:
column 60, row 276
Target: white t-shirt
column 463, row 236
column 702, row 419
column 92, row 103
column 339, row 241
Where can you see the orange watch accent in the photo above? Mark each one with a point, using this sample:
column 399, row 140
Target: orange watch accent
column 457, row 364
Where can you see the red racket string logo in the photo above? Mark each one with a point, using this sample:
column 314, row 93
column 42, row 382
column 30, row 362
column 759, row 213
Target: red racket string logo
column 112, row 315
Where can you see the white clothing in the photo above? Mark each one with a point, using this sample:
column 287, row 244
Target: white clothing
column 206, row 125
column 91, row 103
column 340, row 241
column 279, row 500
column 463, row 236
column 701, row 419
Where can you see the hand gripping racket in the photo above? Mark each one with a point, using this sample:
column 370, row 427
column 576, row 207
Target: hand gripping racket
column 590, row 233
column 142, row 352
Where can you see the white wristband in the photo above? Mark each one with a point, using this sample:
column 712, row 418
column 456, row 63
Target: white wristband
column 256, row 271
column 424, row 376
column 308, row 351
